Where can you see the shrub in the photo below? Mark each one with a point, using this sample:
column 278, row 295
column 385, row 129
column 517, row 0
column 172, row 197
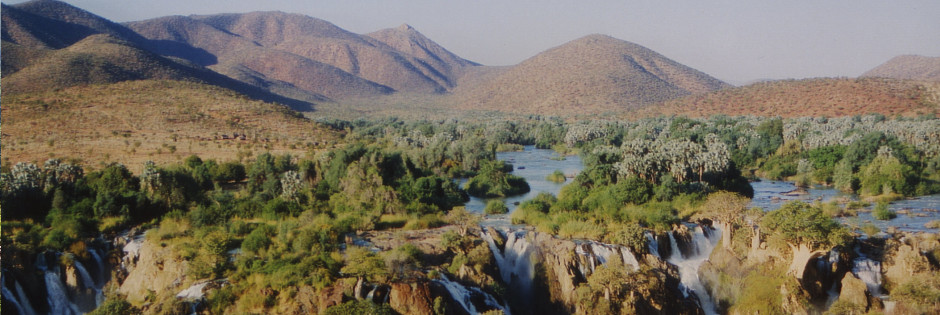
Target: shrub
column 496, row 206
column 557, row 177
column 870, row 229
column 360, row 307
column 115, row 306
column 882, row 212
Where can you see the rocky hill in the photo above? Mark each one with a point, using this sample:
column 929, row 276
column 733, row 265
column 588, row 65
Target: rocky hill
column 909, row 67
column 312, row 54
column 50, row 45
column 829, row 97
column 592, row 74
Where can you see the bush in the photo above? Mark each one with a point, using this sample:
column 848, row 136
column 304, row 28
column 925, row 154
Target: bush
column 882, row 212
column 360, row 307
column 870, row 229
column 557, row 177
column 496, row 206
column 115, row 306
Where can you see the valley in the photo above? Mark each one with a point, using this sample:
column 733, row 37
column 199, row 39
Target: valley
column 276, row 163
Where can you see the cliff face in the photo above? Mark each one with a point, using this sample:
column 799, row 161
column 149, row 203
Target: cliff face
column 561, row 269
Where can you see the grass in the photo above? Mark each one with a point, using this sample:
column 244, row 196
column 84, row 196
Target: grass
column 163, row 121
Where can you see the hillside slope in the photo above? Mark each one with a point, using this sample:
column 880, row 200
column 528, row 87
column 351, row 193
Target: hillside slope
column 829, row 97
column 164, row 121
column 310, row 53
column 53, row 25
column 593, row 74
column 908, row 67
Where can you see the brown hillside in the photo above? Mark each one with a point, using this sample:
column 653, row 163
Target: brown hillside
column 56, row 24
column 301, row 51
column 593, row 74
column 411, row 42
column 164, row 121
column 908, row 68
column 811, row 97
column 101, row 58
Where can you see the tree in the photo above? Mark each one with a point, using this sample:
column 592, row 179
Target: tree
column 363, row 264
column 463, row 219
column 726, row 209
column 806, row 230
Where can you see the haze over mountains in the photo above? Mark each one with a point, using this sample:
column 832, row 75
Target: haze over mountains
column 306, row 63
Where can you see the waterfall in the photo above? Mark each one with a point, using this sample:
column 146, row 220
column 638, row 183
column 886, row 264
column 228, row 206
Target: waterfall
column 464, row 296
column 704, row 242
column 600, row 253
column 652, row 244
column 58, row 299
column 674, row 247
column 12, row 299
column 869, row 271
column 99, row 263
column 89, row 283
column 514, row 265
column 23, row 299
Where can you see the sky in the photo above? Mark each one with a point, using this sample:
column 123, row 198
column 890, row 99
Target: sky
column 738, row 41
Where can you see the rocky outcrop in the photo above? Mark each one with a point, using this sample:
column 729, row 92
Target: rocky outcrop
column 411, row 298
column 854, row 292
column 157, row 269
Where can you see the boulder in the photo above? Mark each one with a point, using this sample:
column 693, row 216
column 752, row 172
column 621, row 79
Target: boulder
column 411, row 298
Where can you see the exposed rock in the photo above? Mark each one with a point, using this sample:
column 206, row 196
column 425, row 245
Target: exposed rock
column 310, row 301
column 854, row 291
column 411, row 298
column 157, row 269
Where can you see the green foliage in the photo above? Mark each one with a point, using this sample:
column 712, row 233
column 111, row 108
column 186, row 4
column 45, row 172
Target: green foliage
column 403, row 261
column 882, row 212
column 115, row 306
column 362, row 263
column 800, row 223
column 493, row 180
column 360, row 307
column 886, row 175
column 495, row 206
column 556, row 177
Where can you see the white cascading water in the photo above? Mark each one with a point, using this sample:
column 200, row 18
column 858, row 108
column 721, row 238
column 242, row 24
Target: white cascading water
column 59, row 302
column 13, row 300
column 688, row 266
column 514, row 265
column 99, row 263
column 652, row 244
column 23, row 299
column 869, row 271
column 600, row 253
column 833, row 291
column 89, row 282
column 464, row 296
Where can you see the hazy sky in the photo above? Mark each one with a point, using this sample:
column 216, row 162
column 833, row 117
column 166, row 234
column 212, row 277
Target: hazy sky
column 734, row 40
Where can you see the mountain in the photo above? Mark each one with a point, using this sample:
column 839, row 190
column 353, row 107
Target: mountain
column 909, row 67
column 135, row 121
column 411, row 42
column 593, row 74
column 312, row 54
column 50, row 45
column 821, row 97
column 53, row 25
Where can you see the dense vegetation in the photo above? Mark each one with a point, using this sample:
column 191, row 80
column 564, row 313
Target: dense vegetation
column 289, row 216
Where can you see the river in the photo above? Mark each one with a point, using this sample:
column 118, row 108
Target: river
column 536, row 164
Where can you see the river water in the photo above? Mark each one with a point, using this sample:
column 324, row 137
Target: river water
column 536, row 164
column 912, row 213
